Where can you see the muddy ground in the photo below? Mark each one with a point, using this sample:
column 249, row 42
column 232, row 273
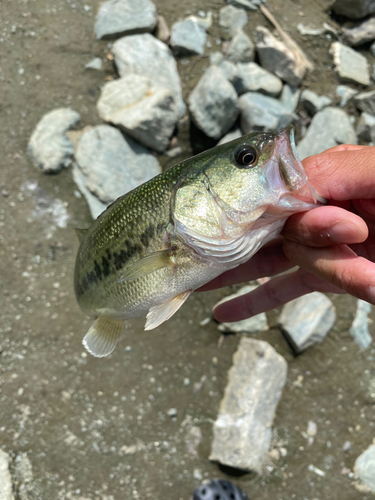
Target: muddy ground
column 99, row 428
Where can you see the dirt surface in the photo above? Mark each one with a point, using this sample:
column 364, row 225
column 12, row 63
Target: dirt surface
column 81, row 428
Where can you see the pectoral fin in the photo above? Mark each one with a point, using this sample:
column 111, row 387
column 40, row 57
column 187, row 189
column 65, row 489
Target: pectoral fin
column 146, row 265
column 160, row 313
column 81, row 233
column 102, row 337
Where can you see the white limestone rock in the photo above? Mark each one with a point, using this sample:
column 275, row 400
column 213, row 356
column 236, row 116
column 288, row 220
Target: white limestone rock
column 330, row 127
column 346, row 94
column 263, row 113
column 276, row 57
column 351, row 66
column 365, row 101
column 250, row 77
column 188, row 37
column 146, row 56
column 95, row 63
column 364, row 467
column 213, row 103
column 361, row 33
column 144, row 110
column 49, row 148
column 6, row 492
column 242, row 431
column 125, row 17
column 290, row 97
column 231, row 19
column 307, row 320
column 109, row 165
column 359, row 329
column 312, row 102
column 254, row 324
column 240, row 49
column 230, row 136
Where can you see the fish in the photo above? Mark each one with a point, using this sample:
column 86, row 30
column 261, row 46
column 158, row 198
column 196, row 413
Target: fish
column 152, row 247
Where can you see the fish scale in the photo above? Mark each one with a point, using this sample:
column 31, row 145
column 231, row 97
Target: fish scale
column 155, row 245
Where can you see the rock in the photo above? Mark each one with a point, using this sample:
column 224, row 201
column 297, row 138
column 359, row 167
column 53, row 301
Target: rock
column 254, row 324
column 326, row 28
column 290, row 97
column 188, row 37
column 230, row 136
column 6, row 490
column 232, row 19
column 346, row 94
column 366, row 128
column 365, row 101
column 217, row 489
column 354, row 9
column 240, row 49
column 213, row 103
column 146, row 56
column 275, row 56
column 125, row 17
column 313, row 102
column 328, row 128
column 364, row 467
column 246, row 4
column 252, row 78
column 216, row 58
column 362, row 33
column 349, row 64
column 112, row 164
column 95, row 63
column 49, row 148
column 307, row 320
column 95, row 205
column 372, row 49
column 162, row 30
column 145, row 111
column 229, row 70
column 359, row 329
column 242, row 431
column 260, row 112
column 204, row 22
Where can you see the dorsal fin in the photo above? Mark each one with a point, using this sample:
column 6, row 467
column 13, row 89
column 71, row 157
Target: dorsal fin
column 81, row 233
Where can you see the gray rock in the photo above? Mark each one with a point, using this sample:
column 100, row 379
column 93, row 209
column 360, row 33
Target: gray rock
column 95, row 63
column 349, row 64
column 49, row 148
column 361, row 33
column 328, row 128
column 145, row 111
column 242, row 431
column 230, row 136
column 188, row 37
column 359, row 329
column 313, row 102
column 365, row 101
column 213, row 103
column 290, row 97
column 216, row 58
column 95, row 205
column 354, row 9
column 276, row 57
column 204, row 22
column 307, row 320
column 162, row 30
column 364, row 467
column 345, row 93
column 229, row 70
column 240, row 49
column 146, row 56
column 6, row 492
column 366, row 128
column 125, row 17
column 112, row 164
column 260, row 112
column 246, row 4
column 232, row 19
column 254, row 324
column 252, row 78
column 372, row 49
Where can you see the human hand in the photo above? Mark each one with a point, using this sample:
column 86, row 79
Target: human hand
column 334, row 245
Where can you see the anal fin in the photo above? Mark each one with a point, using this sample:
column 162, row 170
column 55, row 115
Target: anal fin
column 101, row 339
column 160, row 313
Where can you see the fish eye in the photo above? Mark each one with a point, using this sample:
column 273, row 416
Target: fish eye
column 246, row 156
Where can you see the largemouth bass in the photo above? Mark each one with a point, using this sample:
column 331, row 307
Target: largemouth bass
column 155, row 245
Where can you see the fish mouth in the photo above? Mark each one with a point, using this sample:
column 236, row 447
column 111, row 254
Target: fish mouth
column 286, row 174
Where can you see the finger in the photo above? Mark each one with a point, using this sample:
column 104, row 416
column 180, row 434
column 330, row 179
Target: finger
column 366, row 208
column 344, row 147
column 325, row 226
column 338, row 265
column 343, row 175
column 268, row 261
column 274, row 293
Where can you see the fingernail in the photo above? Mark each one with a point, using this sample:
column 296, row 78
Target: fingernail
column 344, row 232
